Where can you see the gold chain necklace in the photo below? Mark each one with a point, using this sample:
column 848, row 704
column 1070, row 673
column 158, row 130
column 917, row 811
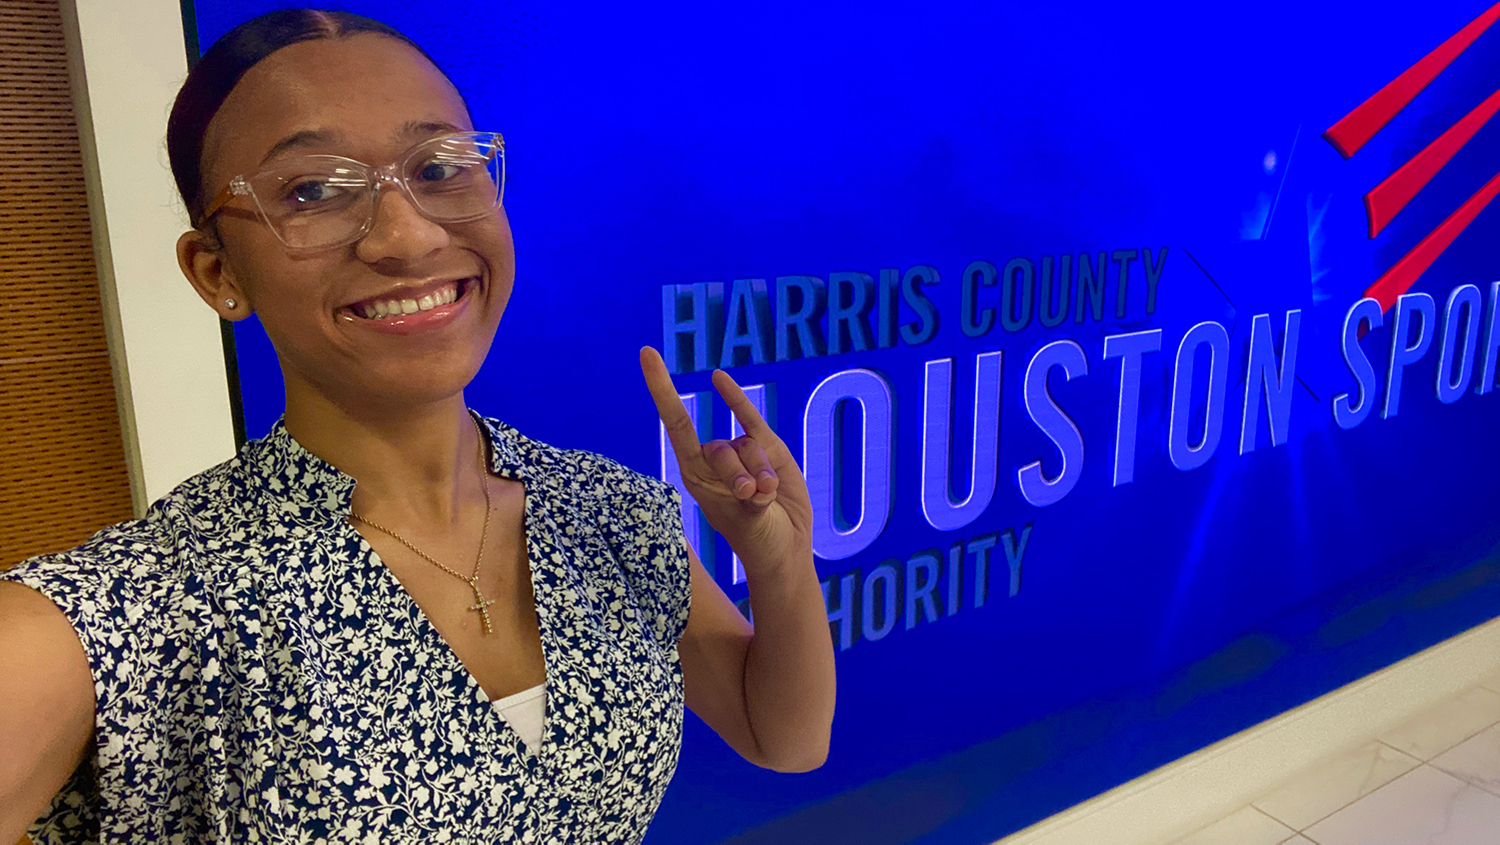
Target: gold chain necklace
column 473, row 580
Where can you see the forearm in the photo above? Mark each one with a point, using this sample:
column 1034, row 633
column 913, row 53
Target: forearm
column 789, row 669
column 768, row 690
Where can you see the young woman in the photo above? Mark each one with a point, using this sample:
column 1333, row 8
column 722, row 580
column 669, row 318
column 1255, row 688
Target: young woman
column 392, row 619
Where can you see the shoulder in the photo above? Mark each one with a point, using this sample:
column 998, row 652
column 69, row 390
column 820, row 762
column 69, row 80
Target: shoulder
column 129, row 602
column 640, row 517
column 586, row 474
column 139, row 571
column 141, row 593
column 125, row 578
column 117, row 562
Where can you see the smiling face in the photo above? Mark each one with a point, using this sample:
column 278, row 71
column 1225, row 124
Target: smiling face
column 370, row 98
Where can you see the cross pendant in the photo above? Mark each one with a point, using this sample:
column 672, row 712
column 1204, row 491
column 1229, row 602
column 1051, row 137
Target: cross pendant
column 483, row 603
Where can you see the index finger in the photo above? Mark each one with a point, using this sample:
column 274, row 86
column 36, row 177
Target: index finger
column 674, row 415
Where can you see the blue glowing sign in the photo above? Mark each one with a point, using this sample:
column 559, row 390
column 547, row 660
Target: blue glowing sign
column 1141, row 358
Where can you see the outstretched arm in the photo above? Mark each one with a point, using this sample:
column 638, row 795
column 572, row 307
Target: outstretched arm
column 46, row 707
column 768, row 690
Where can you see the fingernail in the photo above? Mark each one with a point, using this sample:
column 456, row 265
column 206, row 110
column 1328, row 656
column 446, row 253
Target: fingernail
column 739, row 483
column 768, row 474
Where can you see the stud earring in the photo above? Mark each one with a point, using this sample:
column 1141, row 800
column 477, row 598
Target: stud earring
column 229, row 302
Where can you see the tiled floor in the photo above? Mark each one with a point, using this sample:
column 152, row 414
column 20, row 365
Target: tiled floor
column 1432, row 781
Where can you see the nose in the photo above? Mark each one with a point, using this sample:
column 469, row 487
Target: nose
column 398, row 232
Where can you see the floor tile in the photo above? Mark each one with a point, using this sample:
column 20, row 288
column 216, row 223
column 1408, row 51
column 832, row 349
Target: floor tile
column 1423, row 807
column 1447, row 724
column 1299, row 839
column 1492, row 682
column 1249, row 826
column 1336, row 783
column 1476, row 760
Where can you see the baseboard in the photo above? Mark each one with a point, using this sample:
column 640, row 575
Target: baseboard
column 1194, row 791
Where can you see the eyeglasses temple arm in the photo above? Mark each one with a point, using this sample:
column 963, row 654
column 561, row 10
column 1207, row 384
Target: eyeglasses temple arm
column 220, row 200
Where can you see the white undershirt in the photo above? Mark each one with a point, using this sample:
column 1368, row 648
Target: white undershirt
column 525, row 711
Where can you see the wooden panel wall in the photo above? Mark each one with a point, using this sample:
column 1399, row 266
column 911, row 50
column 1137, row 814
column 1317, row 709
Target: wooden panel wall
column 62, row 460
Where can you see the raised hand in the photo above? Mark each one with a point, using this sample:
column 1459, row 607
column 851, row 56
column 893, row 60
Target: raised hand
column 750, row 488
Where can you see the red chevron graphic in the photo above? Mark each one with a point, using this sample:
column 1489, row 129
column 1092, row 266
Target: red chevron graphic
column 1386, row 200
column 1399, row 279
column 1356, row 128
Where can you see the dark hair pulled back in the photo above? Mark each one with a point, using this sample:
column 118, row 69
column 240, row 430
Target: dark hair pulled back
column 220, row 69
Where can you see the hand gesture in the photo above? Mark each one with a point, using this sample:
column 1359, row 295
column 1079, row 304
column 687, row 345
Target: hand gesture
column 750, row 488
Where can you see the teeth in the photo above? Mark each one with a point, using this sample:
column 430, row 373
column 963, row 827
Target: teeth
column 379, row 310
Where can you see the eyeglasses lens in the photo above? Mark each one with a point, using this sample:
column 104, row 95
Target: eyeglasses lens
column 456, row 178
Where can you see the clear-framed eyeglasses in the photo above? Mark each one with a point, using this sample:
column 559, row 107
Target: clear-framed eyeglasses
column 317, row 202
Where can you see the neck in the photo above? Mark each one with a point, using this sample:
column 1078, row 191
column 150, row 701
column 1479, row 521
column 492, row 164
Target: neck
column 418, row 465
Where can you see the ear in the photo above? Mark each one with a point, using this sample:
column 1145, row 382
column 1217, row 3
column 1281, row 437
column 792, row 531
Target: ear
column 201, row 258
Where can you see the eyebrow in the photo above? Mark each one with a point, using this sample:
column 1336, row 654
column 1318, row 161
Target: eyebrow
column 305, row 138
column 316, row 137
column 414, row 128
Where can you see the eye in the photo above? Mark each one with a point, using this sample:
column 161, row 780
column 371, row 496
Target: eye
column 309, row 191
column 440, row 171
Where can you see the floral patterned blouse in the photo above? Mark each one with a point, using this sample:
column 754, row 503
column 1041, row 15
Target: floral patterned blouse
column 262, row 677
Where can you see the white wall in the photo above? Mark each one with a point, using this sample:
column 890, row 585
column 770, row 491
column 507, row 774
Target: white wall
column 127, row 61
